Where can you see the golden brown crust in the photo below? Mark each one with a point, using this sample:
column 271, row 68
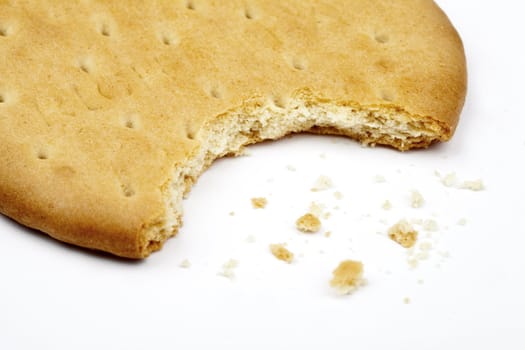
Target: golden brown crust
column 99, row 101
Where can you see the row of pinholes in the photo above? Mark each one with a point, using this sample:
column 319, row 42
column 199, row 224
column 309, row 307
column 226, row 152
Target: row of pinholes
column 126, row 189
column 249, row 13
column 167, row 39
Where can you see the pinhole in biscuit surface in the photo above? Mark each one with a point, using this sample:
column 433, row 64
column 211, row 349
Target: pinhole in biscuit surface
column 127, row 190
column 130, row 121
column 382, row 38
column 299, row 63
column 191, row 132
column 250, row 13
column 215, row 93
column 387, row 95
column 169, row 39
column 190, row 5
column 279, row 101
column 3, row 31
column 104, row 30
column 86, row 64
column 129, row 124
column 42, row 155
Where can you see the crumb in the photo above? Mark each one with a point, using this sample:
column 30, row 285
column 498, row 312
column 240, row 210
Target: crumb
column 322, row 183
column 322, row 156
column 379, row 179
column 420, row 281
column 281, row 253
column 185, row 264
column 337, row 207
column 338, row 195
column 412, row 262
column 406, row 300
column 403, row 233
column 291, row 167
column 430, row 225
column 416, row 221
column 417, row 199
column 462, row 222
column 476, row 185
column 449, row 180
column 308, row 223
column 250, row 239
column 387, row 205
column 259, row 202
column 327, row 215
column 348, row 276
column 245, row 152
column 444, row 254
column 327, row 234
column 422, row 255
column 231, row 213
column 425, row 246
column 316, row 208
column 321, row 251
column 228, row 269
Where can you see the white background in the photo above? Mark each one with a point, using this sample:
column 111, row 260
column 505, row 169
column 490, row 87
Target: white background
column 469, row 293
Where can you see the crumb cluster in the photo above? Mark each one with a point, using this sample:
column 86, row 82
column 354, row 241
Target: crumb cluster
column 228, row 269
column 322, row 183
column 348, row 276
column 451, row 180
column 474, row 185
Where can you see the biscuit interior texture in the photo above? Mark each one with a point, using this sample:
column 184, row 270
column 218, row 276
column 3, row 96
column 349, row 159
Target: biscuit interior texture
column 110, row 110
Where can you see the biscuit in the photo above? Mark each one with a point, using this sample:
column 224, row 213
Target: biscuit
column 110, row 110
